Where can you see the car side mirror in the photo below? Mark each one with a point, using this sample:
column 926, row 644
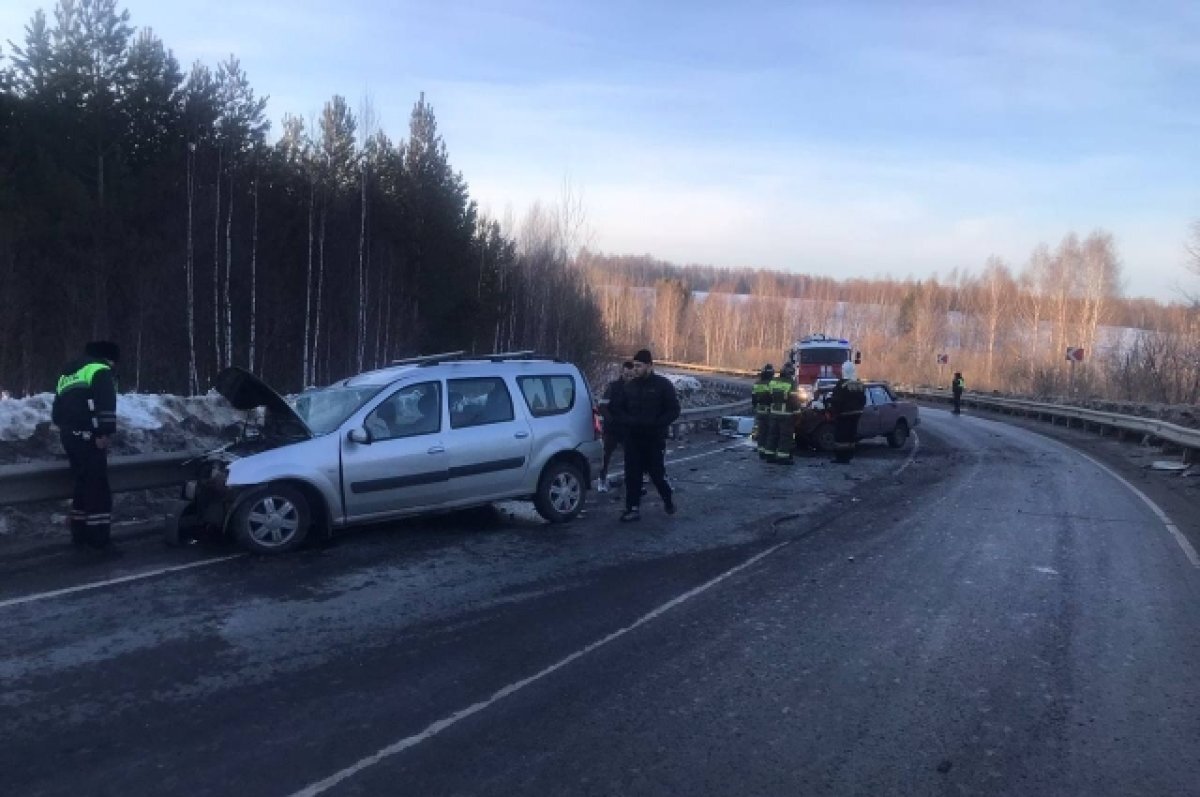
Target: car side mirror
column 858, row 358
column 361, row 436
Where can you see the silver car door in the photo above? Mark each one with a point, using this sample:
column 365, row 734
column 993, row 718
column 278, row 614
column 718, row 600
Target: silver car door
column 488, row 442
column 404, row 466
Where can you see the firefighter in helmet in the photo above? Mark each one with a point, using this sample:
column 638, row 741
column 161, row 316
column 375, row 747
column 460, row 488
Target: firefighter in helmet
column 760, row 397
column 780, row 424
column 847, row 401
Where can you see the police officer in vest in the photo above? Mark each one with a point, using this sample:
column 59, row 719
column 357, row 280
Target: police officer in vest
column 957, row 386
column 760, row 398
column 85, row 412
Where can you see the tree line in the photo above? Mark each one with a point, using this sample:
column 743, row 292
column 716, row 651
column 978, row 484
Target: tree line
column 1007, row 329
column 145, row 205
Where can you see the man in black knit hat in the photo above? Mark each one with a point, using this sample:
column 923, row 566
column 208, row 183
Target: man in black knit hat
column 645, row 410
column 85, row 412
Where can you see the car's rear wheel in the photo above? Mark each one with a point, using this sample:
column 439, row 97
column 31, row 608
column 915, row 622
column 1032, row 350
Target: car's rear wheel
column 898, row 436
column 823, row 438
column 560, row 492
column 272, row 519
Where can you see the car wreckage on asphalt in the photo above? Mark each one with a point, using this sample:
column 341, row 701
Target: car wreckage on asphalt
column 430, row 434
column 885, row 415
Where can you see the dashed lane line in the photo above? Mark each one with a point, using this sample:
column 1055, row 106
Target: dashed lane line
column 447, row 722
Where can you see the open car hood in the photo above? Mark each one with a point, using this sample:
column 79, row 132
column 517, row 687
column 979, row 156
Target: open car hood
column 245, row 391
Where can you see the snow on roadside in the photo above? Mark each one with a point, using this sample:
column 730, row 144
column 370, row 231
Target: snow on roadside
column 683, row 383
column 146, row 423
column 19, row 418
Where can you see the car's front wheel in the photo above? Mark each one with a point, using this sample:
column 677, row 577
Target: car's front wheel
column 898, row 436
column 823, row 438
column 181, row 525
column 273, row 519
column 560, row 492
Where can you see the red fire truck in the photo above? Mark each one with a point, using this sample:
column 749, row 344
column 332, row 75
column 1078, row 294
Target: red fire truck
column 820, row 356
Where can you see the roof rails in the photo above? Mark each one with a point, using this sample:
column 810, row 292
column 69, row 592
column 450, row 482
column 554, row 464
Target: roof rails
column 496, row 357
column 528, row 354
column 430, row 359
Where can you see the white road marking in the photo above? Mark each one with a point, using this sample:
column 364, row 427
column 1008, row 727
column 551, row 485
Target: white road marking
column 176, row 568
column 109, row 582
column 912, row 456
column 682, row 459
column 442, row 724
column 1188, row 550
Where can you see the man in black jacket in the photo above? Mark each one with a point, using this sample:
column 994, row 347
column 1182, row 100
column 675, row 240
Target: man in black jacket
column 645, row 410
column 85, row 412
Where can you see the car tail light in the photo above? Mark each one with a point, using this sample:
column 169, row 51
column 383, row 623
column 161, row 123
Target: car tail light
column 597, row 429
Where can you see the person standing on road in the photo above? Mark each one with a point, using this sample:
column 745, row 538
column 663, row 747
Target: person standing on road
column 612, row 429
column 781, row 418
column 760, row 397
column 85, row 412
column 956, row 387
column 847, row 401
column 645, row 410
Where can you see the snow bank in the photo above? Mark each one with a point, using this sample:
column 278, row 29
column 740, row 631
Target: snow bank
column 19, row 418
column 683, row 384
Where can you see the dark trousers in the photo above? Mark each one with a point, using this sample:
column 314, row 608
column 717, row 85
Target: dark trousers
column 845, row 432
column 91, row 503
column 611, row 441
column 957, row 402
column 760, row 425
column 644, row 454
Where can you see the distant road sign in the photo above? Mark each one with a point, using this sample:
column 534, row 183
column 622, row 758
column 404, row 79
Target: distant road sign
column 1074, row 354
column 943, row 359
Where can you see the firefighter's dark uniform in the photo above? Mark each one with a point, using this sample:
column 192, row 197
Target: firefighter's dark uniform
column 847, row 402
column 780, row 422
column 957, row 386
column 760, row 397
column 85, row 409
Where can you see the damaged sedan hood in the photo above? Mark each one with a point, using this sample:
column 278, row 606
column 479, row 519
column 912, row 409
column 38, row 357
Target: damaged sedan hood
column 245, row 391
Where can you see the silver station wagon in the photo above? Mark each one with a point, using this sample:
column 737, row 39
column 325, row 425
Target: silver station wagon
column 429, row 434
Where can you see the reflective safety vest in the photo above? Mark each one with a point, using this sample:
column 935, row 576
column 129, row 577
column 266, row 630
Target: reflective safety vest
column 760, row 396
column 81, row 378
column 85, row 398
column 780, row 388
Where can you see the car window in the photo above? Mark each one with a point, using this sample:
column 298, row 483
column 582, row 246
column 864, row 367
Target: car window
column 475, row 402
column 410, row 411
column 548, row 395
column 880, row 395
column 325, row 409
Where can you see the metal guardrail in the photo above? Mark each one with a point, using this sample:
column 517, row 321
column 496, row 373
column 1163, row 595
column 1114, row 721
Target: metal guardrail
column 715, row 411
column 704, row 369
column 1173, row 434
column 40, row 481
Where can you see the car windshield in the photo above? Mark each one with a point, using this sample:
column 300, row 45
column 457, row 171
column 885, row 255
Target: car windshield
column 325, row 409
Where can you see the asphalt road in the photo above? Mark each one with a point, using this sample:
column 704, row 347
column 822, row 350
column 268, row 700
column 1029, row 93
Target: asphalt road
column 983, row 612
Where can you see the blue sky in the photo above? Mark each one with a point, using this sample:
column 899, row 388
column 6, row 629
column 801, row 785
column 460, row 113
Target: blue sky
column 836, row 138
